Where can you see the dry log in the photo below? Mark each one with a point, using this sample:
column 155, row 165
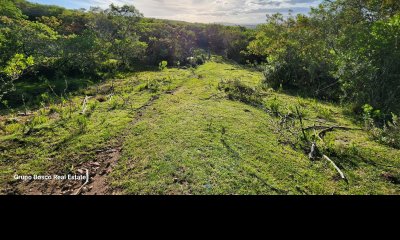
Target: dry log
column 335, row 166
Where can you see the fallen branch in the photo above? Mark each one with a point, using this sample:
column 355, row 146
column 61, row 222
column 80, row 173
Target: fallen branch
column 84, row 105
column 301, row 124
column 315, row 153
column 332, row 128
column 335, row 166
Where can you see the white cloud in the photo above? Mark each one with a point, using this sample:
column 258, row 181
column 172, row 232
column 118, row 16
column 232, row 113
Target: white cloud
column 233, row 11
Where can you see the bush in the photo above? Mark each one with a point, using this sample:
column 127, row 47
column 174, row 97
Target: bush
column 237, row 91
column 200, row 56
column 275, row 107
column 110, row 66
column 163, row 65
column 200, row 60
column 389, row 134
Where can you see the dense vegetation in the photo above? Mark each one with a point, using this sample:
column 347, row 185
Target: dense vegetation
column 39, row 42
column 344, row 50
column 244, row 101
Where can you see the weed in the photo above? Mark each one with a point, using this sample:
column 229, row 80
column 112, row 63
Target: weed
column 324, row 113
column 39, row 119
column 92, row 106
column 154, row 86
column 82, row 123
column 13, row 128
column 275, row 107
column 114, row 103
column 32, row 123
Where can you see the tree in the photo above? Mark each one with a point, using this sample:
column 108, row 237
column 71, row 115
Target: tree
column 298, row 56
column 115, row 29
column 8, row 9
column 13, row 70
column 128, row 11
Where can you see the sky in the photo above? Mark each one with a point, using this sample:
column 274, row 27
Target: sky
column 205, row 11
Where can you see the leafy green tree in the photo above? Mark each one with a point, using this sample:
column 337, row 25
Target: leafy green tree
column 369, row 69
column 297, row 55
column 115, row 30
column 8, row 9
column 13, row 70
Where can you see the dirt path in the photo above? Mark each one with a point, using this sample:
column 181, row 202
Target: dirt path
column 107, row 159
column 98, row 169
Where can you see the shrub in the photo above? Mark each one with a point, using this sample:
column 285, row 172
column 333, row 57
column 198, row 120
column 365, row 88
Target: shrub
column 238, row 91
column 110, row 67
column 13, row 128
column 372, row 117
column 162, row 65
column 200, row 60
column 389, row 134
column 274, row 107
column 39, row 119
column 114, row 103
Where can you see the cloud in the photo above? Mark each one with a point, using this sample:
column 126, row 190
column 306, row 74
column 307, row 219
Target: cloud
column 233, row 11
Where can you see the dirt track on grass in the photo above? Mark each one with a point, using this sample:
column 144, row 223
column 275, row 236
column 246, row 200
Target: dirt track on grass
column 98, row 169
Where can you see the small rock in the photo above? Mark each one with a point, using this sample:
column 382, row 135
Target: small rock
column 81, row 171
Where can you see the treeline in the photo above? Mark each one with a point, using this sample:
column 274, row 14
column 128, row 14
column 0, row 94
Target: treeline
column 347, row 50
column 344, row 50
column 47, row 42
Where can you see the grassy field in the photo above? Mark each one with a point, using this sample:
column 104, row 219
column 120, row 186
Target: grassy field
column 180, row 134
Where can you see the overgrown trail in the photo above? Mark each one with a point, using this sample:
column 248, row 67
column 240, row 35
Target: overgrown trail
column 198, row 142
column 108, row 151
column 107, row 159
column 174, row 132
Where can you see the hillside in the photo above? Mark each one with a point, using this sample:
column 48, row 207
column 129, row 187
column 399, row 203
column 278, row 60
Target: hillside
column 178, row 131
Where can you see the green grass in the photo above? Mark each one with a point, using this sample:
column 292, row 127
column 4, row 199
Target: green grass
column 194, row 140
